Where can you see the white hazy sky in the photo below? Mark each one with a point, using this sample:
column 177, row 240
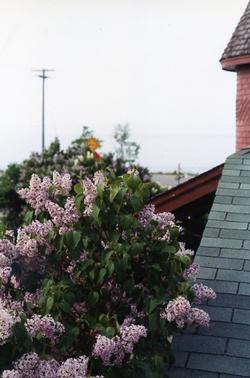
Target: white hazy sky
column 151, row 63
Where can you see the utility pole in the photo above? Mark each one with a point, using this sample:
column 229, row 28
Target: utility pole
column 43, row 76
column 179, row 174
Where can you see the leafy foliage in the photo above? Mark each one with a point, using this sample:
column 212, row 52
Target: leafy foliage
column 80, row 159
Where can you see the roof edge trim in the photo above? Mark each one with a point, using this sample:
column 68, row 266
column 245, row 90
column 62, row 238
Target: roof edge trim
column 188, row 191
column 231, row 64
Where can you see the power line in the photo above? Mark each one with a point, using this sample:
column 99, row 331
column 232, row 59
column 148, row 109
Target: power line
column 43, row 76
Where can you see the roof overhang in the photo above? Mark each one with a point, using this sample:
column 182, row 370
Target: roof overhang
column 190, row 191
column 231, row 64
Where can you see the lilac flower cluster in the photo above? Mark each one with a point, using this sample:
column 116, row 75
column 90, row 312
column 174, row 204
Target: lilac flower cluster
column 7, row 322
column 5, row 273
column 45, row 325
column 14, row 307
column 130, row 335
column 108, row 350
column 7, row 255
column 202, row 292
column 8, row 249
column 8, row 318
column 198, row 317
column 37, row 194
column 146, row 215
column 90, row 190
column 32, row 298
column 31, row 366
column 62, row 183
column 191, row 272
column 38, row 229
column 165, row 220
column 179, row 310
column 63, row 218
column 73, row 367
column 112, row 351
column 25, row 245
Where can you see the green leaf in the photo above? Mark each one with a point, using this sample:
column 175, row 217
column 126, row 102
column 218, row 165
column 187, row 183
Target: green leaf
column 102, row 273
column 137, row 248
column 111, row 268
column 65, row 306
column 136, row 203
column 92, row 274
column 49, row 304
column 133, row 182
column 28, row 216
column 95, row 213
column 154, row 303
column 76, row 237
column 72, row 239
column 157, row 267
column 93, row 297
column 79, row 202
column 128, row 221
column 109, row 332
column 78, row 188
column 114, row 190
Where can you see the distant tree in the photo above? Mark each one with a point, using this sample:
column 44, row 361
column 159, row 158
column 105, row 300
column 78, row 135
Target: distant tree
column 80, row 159
column 126, row 150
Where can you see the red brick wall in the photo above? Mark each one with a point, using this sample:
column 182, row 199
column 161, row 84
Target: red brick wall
column 243, row 108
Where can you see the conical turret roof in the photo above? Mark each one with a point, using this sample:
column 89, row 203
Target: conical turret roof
column 239, row 44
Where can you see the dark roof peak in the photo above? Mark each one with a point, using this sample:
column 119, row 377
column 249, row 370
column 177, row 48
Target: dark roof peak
column 239, row 44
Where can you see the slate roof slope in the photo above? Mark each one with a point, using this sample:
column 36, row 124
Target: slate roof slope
column 223, row 350
column 239, row 43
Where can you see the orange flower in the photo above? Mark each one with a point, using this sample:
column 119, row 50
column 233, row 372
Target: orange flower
column 97, row 156
column 93, row 144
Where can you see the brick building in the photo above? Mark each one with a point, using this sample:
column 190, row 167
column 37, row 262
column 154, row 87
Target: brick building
column 223, row 350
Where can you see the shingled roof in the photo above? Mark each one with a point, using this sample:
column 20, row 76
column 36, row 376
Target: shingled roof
column 223, row 350
column 239, row 44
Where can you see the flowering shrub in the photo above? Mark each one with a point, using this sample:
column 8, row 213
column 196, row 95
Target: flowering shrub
column 81, row 158
column 95, row 284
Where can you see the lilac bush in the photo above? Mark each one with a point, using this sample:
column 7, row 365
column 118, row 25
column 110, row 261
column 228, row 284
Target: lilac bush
column 95, row 283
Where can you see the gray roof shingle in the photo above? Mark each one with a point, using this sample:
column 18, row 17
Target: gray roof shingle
column 239, row 44
column 223, row 349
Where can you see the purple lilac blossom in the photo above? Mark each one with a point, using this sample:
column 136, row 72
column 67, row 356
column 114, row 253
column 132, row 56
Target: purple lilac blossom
column 63, row 218
column 164, row 220
column 177, row 310
column 62, row 183
column 191, row 272
column 7, row 321
column 112, row 351
column 31, row 366
column 73, row 368
column 130, row 335
column 46, row 325
column 37, row 194
column 104, row 348
column 199, row 317
column 90, row 191
column 25, row 245
column 202, row 292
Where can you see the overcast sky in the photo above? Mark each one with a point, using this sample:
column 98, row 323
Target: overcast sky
column 151, row 63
